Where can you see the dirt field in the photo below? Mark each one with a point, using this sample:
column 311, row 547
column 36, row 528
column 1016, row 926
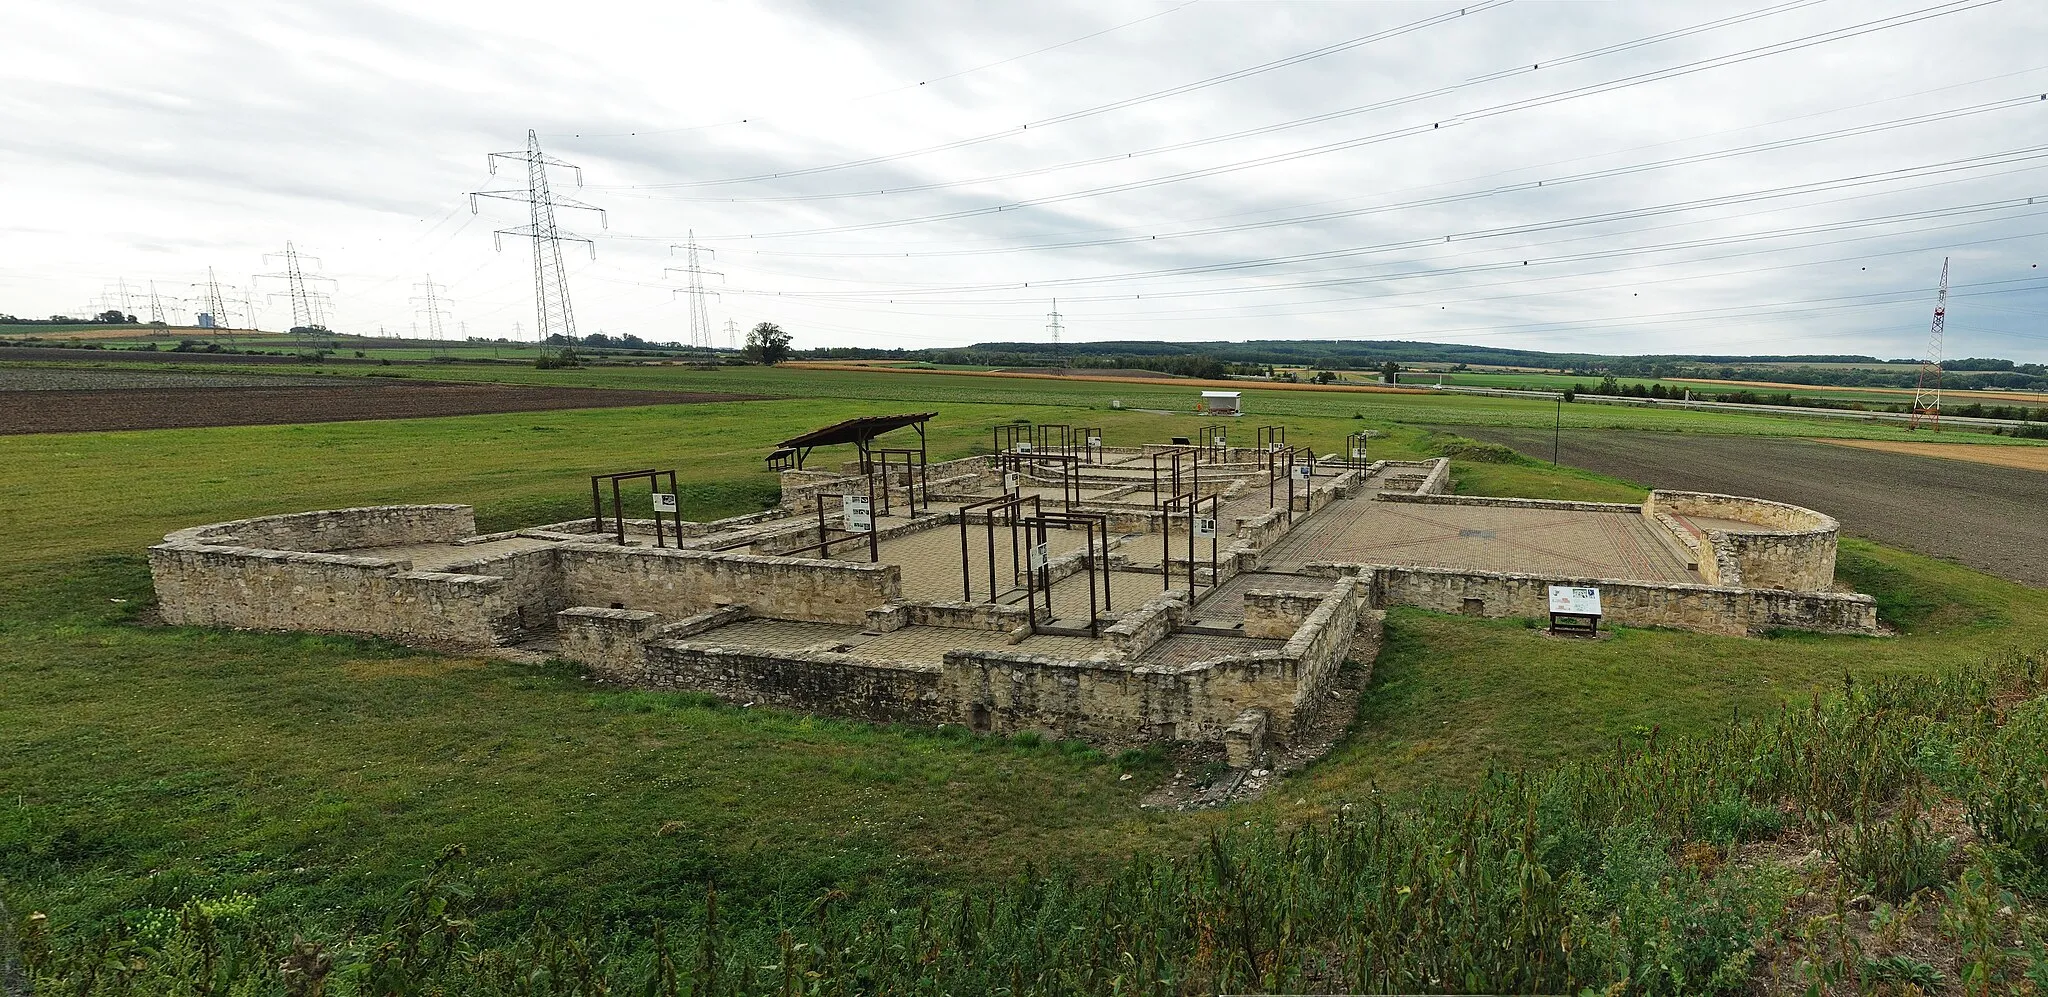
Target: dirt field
column 1994, row 519
column 2024, row 458
column 92, row 410
column 1968, row 395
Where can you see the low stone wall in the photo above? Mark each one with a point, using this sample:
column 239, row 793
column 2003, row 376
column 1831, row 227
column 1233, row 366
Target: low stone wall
column 339, row 529
column 208, row 585
column 679, row 583
column 1149, row 624
column 809, row 681
column 1496, row 502
column 1705, row 608
column 1278, row 615
column 1792, row 548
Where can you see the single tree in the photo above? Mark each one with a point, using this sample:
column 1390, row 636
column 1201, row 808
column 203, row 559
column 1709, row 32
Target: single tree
column 767, row 344
column 1390, row 372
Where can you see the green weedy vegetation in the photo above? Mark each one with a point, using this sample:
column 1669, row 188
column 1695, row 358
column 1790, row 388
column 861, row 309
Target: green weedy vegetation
column 1624, row 874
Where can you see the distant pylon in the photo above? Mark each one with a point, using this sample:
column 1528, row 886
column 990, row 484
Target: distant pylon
column 429, row 299
column 1053, row 326
column 1927, row 394
column 700, row 313
column 117, row 295
column 156, row 306
column 212, row 303
column 550, row 279
column 306, row 302
column 732, row 334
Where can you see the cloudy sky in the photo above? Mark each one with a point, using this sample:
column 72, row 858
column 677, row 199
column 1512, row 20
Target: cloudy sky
column 1766, row 176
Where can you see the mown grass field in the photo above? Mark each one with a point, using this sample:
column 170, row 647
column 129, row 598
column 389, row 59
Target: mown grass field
column 143, row 766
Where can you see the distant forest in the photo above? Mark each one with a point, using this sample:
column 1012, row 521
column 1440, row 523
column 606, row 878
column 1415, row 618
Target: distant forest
column 1217, row 359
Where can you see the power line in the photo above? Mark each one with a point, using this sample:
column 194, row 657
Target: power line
column 1419, row 128
column 1054, row 327
column 550, row 280
column 1292, row 60
column 1382, row 105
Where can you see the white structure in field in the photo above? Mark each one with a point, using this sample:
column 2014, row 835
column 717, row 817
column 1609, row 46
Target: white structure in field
column 1220, row 403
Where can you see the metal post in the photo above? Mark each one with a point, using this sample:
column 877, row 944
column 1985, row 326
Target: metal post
column 618, row 520
column 1556, row 431
column 874, row 528
column 654, row 485
column 596, row 507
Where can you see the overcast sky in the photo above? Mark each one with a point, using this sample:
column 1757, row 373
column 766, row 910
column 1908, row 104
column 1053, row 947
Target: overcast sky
column 1771, row 176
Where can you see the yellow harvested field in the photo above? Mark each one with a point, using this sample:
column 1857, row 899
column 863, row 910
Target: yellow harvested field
column 2023, row 457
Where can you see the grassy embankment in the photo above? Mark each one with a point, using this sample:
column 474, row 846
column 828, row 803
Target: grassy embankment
column 144, row 767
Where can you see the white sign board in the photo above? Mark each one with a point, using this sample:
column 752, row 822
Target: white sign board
column 1011, row 480
column 1094, row 442
column 860, row 516
column 1272, row 448
column 1357, row 453
column 1575, row 600
column 1038, row 556
column 1222, row 441
column 1205, row 526
column 664, row 502
column 1301, row 471
column 1023, row 446
column 1116, row 403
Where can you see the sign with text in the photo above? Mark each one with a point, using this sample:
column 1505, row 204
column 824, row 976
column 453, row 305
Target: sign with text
column 1575, row 600
column 1301, row 471
column 1357, row 453
column 664, row 502
column 1205, row 526
column 1011, row 480
column 1094, row 442
column 1222, row 441
column 860, row 516
column 1039, row 555
column 1023, row 446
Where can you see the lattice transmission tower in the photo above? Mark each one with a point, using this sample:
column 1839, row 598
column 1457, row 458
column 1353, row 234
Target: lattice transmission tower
column 308, row 305
column 428, row 302
column 700, row 313
column 1052, row 325
column 156, row 306
column 732, row 334
column 213, row 303
column 1927, row 394
column 117, row 295
column 550, row 278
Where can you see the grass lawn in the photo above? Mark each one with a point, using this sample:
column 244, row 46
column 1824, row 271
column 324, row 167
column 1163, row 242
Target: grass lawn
column 142, row 765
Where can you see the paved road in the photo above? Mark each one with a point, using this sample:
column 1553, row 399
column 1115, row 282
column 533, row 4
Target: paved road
column 1994, row 519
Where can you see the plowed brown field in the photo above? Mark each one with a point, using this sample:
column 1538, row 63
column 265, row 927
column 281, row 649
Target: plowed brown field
column 2024, row 458
column 1994, row 519
column 76, row 411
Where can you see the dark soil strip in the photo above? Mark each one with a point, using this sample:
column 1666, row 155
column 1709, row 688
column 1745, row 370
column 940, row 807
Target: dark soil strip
column 185, row 408
column 1994, row 519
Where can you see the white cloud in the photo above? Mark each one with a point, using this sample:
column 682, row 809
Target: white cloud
column 150, row 141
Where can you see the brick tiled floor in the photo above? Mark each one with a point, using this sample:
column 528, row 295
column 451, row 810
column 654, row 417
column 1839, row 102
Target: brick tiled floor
column 1184, row 649
column 781, row 635
column 1556, row 542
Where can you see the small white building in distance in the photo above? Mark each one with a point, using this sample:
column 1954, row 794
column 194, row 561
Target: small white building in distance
column 1220, row 402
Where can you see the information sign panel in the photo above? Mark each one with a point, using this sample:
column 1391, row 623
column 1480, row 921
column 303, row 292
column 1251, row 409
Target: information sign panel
column 1011, row 480
column 664, row 502
column 1301, row 471
column 859, row 514
column 1038, row 555
column 1205, row 526
column 1575, row 600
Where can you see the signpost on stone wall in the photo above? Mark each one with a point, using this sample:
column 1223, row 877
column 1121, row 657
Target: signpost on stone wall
column 1575, row 610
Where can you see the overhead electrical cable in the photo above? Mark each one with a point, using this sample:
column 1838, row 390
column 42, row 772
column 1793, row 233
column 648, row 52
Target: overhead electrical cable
column 1230, row 136
column 1654, row 76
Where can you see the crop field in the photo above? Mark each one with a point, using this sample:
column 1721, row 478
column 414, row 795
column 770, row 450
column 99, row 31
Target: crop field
column 186, row 797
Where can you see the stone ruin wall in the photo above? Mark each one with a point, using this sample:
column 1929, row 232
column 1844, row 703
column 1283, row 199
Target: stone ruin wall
column 1794, row 548
column 1107, row 701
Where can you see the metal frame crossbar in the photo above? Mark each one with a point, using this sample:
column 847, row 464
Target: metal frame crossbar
column 1355, row 450
column 825, row 539
column 1272, row 438
column 916, row 481
column 1009, row 506
column 618, row 509
column 1193, row 504
column 1039, row 578
column 1091, row 443
column 1195, row 454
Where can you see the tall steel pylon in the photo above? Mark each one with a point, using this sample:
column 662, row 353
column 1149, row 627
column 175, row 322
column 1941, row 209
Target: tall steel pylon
column 550, row 278
column 156, row 306
column 117, row 295
column 1927, row 394
column 212, row 302
column 732, row 334
column 307, row 311
column 429, row 299
column 700, row 313
column 1053, row 326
